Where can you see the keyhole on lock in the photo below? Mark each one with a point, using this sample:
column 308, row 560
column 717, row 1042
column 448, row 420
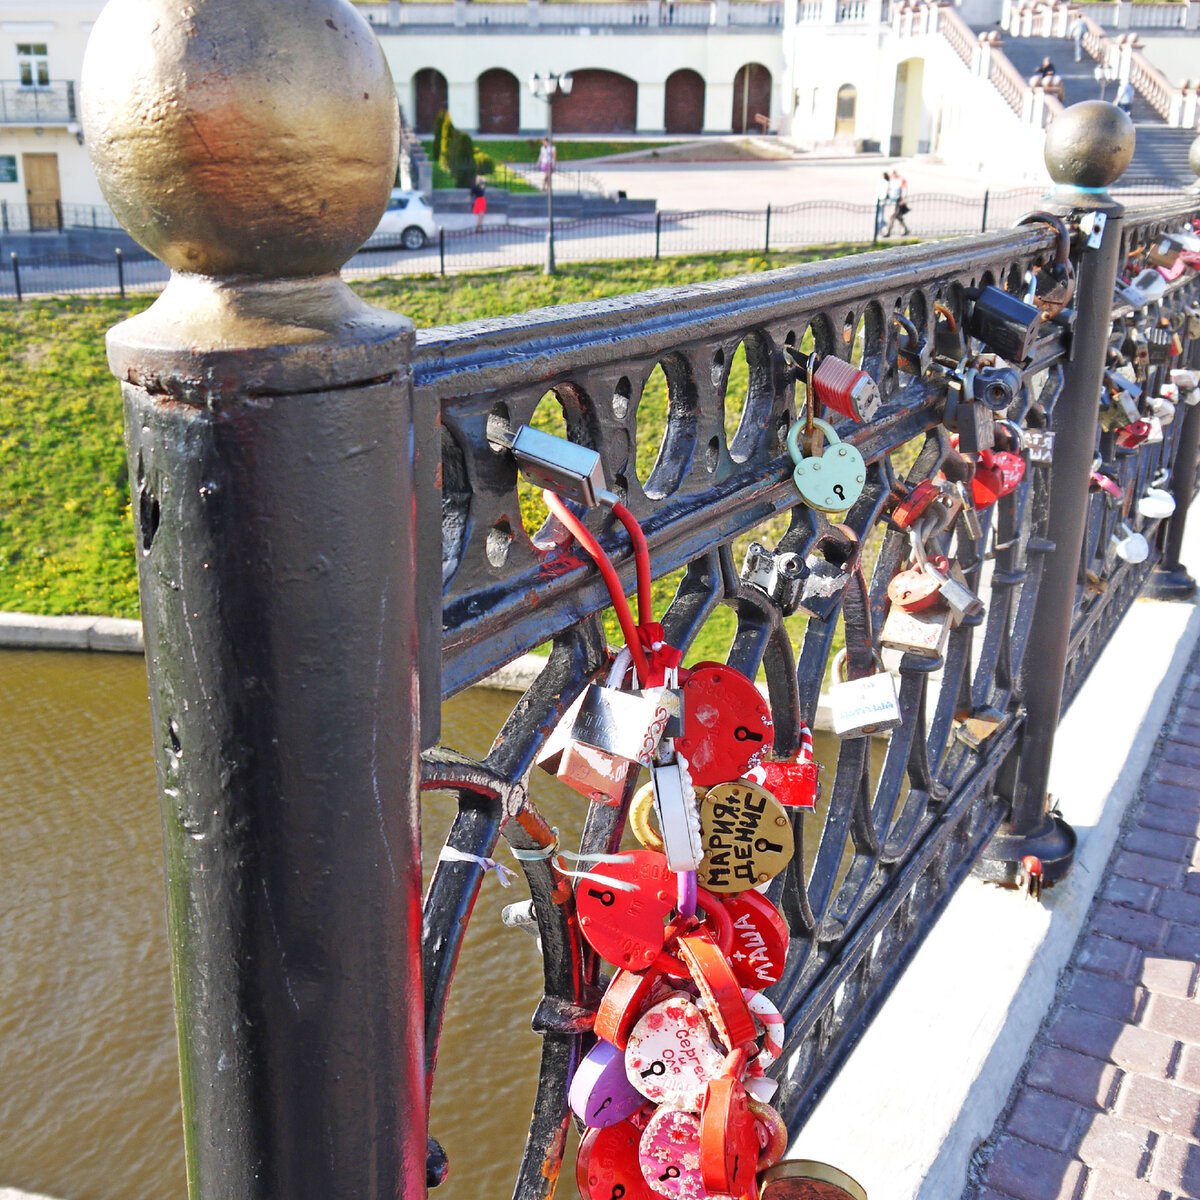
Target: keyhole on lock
column 618, row 1191
column 838, row 491
column 669, row 1173
column 655, row 1068
column 602, row 1107
column 747, row 735
column 608, row 899
column 765, row 847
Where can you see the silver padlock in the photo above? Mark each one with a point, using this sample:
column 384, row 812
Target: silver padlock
column 1039, row 447
column 862, row 707
column 959, row 599
column 628, row 725
column 677, row 813
column 968, row 513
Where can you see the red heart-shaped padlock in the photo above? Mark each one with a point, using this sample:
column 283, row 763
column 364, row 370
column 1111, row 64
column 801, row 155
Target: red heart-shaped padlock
column 997, row 473
column 608, row 1164
column 727, row 724
column 729, row 1147
column 760, row 939
column 626, row 924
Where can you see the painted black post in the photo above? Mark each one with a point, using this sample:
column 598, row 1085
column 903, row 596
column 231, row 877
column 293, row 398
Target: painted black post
column 120, row 271
column 767, row 238
column 442, row 250
column 271, row 434
column 1087, row 148
column 983, row 220
column 16, row 270
column 657, row 235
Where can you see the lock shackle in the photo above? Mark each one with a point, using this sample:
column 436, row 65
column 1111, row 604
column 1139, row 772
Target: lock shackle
column 943, row 311
column 1017, row 433
column 793, row 438
column 839, row 671
column 913, row 336
column 1062, row 248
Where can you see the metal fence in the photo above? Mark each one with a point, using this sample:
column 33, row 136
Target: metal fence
column 516, row 244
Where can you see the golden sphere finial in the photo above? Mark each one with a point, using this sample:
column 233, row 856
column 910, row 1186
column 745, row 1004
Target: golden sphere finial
column 241, row 137
column 1089, row 145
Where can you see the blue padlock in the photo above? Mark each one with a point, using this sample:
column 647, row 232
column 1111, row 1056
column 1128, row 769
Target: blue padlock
column 831, row 481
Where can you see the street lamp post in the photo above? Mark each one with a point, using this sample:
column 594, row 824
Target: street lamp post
column 548, row 87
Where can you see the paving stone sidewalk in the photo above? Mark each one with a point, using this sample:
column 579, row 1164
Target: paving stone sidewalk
column 1108, row 1104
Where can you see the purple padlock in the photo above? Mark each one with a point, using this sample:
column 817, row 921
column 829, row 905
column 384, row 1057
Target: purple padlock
column 601, row 1094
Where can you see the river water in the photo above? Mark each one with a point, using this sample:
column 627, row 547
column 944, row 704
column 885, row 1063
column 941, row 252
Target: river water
column 89, row 1101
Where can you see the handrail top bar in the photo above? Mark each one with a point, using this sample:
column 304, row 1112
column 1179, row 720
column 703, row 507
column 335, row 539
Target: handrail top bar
column 553, row 337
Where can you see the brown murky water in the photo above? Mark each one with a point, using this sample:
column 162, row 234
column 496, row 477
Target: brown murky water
column 89, row 1104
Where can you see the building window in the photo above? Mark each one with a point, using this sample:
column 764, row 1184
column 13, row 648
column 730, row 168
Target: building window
column 33, row 65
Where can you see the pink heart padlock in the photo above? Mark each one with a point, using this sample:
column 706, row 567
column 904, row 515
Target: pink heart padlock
column 669, row 1155
column 997, row 473
column 671, row 1055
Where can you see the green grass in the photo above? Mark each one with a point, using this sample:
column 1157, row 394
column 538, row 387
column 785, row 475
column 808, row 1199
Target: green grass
column 525, row 150
column 66, row 535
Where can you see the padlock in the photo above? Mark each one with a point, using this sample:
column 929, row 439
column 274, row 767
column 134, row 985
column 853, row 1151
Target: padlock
column 1155, row 504
column 908, row 510
column 1039, row 447
column 823, row 582
column 720, row 990
column 1158, row 342
column 728, row 1139
column 771, row 1131
column 628, row 725
column 1006, row 325
column 997, row 473
column 793, row 784
column 669, row 1155
column 914, row 355
column 970, row 420
column 780, row 576
column 996, row 386
column 1188, row 385
column 923, row 633
column 806, row 1179
column 607, row 1165
column 1193, row 324
column 600, row 1093
column 1053, row 285
column 1164, row 252
column 727, row 724
column 865, row 706
column 949, row 342
column 1129, row 546
column 595, row 774
column 958, row 598
column 671, row 1056
column 628, row 995
column 837, row 384
column 1151, row 284
column 746, row 835
column 623, row 907
column 673, row 799
column 758, row 952
column 1127, row 293
column 915, row 588
column 1130, row 436
column 831, row 481
column 551, row 462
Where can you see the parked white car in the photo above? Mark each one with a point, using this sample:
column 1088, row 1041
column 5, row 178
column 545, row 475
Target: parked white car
column 409, row 216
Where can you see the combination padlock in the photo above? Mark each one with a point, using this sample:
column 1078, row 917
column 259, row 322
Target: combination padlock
column 831, row 481
column 837, row 384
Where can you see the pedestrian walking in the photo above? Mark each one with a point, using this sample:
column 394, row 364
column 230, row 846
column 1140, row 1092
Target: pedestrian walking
column 547, row 156
column 898, row 198
column 1076, row 32
column 882, row 193
column 1125, row 98
column 478, row 203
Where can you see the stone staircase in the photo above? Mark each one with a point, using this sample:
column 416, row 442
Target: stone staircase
column 1161, row 152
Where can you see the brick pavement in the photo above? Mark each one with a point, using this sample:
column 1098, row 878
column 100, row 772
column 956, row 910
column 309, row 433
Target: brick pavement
column 1108, row 1104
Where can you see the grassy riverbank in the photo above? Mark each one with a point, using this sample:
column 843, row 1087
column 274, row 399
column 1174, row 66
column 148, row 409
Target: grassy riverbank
column 66, row 539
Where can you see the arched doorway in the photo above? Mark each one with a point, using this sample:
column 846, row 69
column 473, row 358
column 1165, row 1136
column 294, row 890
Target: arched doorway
column 499, row 101
column 751, row 98
column 684, row 107
column 906, row 107
column 847, row 104
column 429, row 95
column 600, row 102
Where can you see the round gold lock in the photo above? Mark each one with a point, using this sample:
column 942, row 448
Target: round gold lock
column 746, row 835
column 805, row 1180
